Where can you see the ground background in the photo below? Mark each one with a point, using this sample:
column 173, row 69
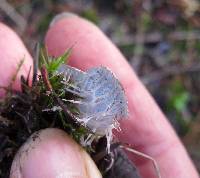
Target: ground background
column 160, row 39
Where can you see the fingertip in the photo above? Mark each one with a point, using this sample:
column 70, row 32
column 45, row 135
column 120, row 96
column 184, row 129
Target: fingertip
column 52, row 153
column 12, row 52
column 61, row 16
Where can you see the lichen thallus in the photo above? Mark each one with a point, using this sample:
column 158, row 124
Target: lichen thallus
column 98, row 101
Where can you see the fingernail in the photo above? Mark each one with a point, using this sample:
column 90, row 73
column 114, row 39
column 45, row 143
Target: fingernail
column 52, row 153
column 62, row 16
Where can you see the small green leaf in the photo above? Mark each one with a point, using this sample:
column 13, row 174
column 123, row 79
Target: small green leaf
column 21, row 62
column 181, row 101
column 55, row 63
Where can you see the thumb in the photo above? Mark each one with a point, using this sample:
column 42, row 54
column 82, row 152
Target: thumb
column 51, row 153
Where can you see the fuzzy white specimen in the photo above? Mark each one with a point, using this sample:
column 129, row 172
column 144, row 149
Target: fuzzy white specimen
column 102, row 102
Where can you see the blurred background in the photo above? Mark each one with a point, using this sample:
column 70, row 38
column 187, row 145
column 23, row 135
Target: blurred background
column 160, row 39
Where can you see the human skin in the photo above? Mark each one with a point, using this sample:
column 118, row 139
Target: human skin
column 146, row 129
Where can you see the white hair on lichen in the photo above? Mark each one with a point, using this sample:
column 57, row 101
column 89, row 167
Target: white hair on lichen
column 101, row 99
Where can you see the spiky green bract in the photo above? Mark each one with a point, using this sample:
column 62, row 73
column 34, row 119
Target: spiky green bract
column 55, row 97
column 53, row 63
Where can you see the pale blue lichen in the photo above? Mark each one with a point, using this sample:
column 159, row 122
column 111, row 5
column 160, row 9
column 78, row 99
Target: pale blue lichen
column 101, row 100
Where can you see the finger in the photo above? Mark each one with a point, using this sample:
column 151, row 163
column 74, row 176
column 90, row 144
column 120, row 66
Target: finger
column 52, row 153
column 147, row 128
column 12, row 52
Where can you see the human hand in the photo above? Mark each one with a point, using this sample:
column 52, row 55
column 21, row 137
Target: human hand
column 147, row 129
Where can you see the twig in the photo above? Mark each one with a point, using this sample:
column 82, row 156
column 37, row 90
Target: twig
column 46, row 81
column 45, row 78
column 14, row 15
column 158, row 36
column 35, row 63
column 168, row 71
column 144, row 156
